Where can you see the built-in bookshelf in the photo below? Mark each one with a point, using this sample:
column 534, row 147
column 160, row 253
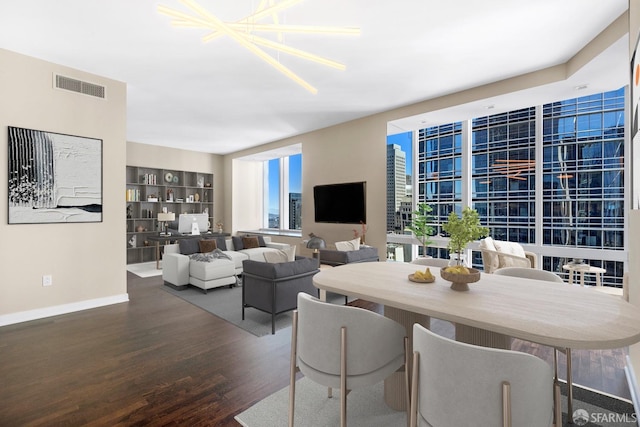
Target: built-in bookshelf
column 148, row 191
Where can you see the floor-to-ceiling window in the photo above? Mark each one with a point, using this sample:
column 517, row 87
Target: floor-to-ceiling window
column 550, row 176
column 282, row 193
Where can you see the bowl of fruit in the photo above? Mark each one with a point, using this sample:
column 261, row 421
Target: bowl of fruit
column 422, row 276
column 460, row 276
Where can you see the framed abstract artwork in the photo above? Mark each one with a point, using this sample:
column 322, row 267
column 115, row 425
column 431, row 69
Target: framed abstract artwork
column 54, row 178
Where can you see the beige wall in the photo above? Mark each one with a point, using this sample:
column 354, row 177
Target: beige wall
column 153, row 156
column 87, row 260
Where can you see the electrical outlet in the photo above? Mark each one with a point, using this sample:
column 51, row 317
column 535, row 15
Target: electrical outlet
column 47, row 280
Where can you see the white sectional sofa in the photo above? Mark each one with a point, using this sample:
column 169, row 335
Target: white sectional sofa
column 179, row 270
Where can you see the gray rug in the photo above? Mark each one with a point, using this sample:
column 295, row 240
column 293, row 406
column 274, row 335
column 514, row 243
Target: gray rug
column 366, row 407
column 227, row 304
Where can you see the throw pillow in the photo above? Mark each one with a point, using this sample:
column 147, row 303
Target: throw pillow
column 221, row 243
column 237, row 243
column 207, row 245
column 261, row 242
column 513, row 249
column 283, row 255
column 348, row 245
column 250, row 242
column 189, row 246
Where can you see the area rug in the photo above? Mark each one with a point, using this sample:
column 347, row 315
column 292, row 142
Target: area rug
column 366, row 407
column 227, row 304
column 144, row 269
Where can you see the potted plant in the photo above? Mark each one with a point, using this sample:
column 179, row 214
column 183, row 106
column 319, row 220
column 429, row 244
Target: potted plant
column 463, row 230
column 420, row 226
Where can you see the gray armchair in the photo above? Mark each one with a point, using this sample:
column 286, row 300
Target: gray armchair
column 273, row 288
column 335, row 257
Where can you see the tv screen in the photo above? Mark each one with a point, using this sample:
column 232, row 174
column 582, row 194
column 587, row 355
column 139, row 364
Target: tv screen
column 341, row 203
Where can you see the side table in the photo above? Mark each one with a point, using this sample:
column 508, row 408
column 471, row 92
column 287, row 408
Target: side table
column 584, row 268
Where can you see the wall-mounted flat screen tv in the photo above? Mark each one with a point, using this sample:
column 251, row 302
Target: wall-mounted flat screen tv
column 341, row 203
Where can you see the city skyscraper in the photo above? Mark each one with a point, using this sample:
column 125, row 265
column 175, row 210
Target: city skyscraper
column 396, row 184
column 295, row 211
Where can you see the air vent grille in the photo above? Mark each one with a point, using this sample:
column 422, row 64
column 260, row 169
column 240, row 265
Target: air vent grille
column 75, row 85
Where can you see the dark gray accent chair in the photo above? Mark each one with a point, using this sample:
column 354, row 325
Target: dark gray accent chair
column 335, row 257
column 273, row 288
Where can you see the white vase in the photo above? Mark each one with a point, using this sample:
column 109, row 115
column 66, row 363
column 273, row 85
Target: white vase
column 453, row 259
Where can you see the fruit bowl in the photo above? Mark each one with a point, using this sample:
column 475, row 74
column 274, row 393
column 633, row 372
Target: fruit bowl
column 460, row 281
column 413, row 278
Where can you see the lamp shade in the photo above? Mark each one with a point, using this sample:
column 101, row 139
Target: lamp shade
column 316, row 242
column 166, row 216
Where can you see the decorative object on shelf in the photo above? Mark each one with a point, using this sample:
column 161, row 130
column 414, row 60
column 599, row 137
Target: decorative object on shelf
column 168, row 177
column 208, row 185
column 129, row 211
column 140, row 229
column 316, row 243
column 175, row 179
column 163, row 218
column 152, row 198
column 420, row 226
column 190, row 199
column 53, row 178
column 201, row 181
column 463, row 230
column 361, row 234
column 132, row 241
column 460, row 277
column 206, row 197
column 219, row 225
column 169, row 195
column 196, row 197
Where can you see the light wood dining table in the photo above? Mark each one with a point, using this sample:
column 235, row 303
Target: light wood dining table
column 495, row 309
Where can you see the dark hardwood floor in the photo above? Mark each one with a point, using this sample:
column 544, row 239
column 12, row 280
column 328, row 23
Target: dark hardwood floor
column 160, row 361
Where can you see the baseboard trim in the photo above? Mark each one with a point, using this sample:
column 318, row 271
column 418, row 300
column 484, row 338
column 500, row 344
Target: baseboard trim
column 41, row 313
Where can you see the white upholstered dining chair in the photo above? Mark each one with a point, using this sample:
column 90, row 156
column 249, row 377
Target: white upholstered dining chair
column 344, row 347
column 455, row 384
column 547, row 276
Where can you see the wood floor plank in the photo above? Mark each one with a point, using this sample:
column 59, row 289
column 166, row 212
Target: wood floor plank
column 159, row 360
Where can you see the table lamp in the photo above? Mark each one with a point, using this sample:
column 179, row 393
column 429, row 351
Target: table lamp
column 163, row 218
column 316, row 243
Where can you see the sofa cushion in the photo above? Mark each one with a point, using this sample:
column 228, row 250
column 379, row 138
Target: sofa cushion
column 189, row 246
column 207, row 245
column 348, row 245
column 284, row 255
column 249, row 242
column 221, row 243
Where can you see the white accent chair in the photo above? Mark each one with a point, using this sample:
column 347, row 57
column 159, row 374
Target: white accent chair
column 499, row 254
column 343, row 347
column 548, row 276
column 456, row 384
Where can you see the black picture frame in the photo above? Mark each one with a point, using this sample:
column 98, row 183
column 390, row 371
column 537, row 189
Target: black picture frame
column 53, row 177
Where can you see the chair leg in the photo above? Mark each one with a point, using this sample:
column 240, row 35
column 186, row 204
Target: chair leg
column 569, row 387
column 343, row 377
column 413, row 408
column 557, row 406
column 292, row 368
column 407, row 383
column 506, row 404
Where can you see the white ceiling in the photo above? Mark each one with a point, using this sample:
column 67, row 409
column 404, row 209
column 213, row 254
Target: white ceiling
column 218, row 97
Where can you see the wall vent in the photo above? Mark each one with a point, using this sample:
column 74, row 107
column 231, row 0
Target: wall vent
column 75, row 85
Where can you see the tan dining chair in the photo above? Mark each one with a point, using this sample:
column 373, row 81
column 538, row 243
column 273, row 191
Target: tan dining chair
column 547, row 276
column 431, row 262
column 456, row 384
column 499, row 254
column 344, row 347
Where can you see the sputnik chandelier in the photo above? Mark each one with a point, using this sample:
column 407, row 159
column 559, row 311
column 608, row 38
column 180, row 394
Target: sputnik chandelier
column 243, row 32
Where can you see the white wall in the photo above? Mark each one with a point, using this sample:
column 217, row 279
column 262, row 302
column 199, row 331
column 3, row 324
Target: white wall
column 87, row 260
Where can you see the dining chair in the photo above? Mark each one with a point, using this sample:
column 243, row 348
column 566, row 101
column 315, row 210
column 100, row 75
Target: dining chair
column 431, row 262
column 499, row 254
column 455, row 384
column 547, row 276
column 344, row 347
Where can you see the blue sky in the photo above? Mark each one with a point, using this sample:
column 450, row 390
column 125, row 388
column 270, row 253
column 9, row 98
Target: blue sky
column 404, row 141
